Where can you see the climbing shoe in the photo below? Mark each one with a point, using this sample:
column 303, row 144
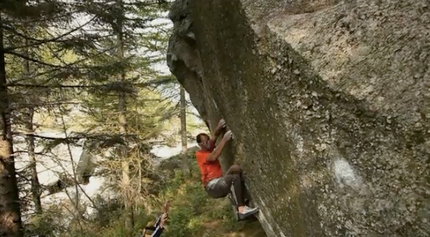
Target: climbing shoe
column 247, row 212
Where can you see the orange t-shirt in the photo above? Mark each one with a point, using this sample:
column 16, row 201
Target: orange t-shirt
column 208, row 169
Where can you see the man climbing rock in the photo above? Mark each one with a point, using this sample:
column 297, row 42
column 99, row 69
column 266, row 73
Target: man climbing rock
column 214, row 182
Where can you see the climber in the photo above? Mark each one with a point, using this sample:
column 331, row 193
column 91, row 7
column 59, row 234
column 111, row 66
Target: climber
column 214, row 182
column 159, row 225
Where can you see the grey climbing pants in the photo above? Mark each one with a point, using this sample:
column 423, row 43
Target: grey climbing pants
column 220, row 187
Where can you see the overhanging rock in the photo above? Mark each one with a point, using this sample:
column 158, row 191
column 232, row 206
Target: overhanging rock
column 329, row 104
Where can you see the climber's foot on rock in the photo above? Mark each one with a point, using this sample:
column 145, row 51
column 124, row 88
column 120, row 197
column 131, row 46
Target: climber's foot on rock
column 246, row 211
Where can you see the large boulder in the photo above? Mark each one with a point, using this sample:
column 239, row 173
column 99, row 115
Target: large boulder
column 329, row 104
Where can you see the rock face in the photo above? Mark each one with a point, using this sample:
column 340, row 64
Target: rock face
column 329, row 102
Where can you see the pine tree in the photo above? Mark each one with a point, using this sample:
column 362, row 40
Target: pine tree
column 24, row 28
column 10, row 216
column 29, row 127
column 121, row 79
column 111, row 65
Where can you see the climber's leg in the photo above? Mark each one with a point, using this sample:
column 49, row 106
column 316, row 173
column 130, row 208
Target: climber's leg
column 236, row 169
column 217, row 188
column 220, row 187
column 236, row 181
column 238, row 192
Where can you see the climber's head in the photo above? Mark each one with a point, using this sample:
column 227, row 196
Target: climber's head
column 204, row 142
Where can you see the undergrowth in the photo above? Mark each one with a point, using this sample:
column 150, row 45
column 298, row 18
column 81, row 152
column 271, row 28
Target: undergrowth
column 192, row 214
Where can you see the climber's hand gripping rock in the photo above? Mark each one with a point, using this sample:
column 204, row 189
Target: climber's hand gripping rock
column 228, row 135
column 222, row 123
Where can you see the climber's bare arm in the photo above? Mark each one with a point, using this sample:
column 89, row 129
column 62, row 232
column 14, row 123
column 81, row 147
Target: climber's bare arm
column 221, row 125
column 218, row 150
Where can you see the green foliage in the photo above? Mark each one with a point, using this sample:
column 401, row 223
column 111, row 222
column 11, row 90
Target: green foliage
column 43, row 224
column 54, row 66
column 113, row 229
column 120, row 66
column 193, row 212
column 109, row 223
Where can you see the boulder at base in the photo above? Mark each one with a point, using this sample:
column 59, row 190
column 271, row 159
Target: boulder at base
column 329, row 103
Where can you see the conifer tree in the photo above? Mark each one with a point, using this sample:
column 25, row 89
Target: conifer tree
column 121, row 79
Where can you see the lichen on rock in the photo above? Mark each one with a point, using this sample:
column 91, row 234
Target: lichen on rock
column 329, row 104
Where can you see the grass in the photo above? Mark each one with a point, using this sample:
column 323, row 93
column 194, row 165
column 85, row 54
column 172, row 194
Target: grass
column 192, row 214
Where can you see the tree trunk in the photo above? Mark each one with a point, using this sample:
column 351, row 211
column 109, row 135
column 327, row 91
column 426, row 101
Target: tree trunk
column 10, row 216
column 35, row 185
column 183, row 116
column 129, row 220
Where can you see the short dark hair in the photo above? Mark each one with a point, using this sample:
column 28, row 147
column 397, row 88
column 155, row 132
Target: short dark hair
column 199, row 137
